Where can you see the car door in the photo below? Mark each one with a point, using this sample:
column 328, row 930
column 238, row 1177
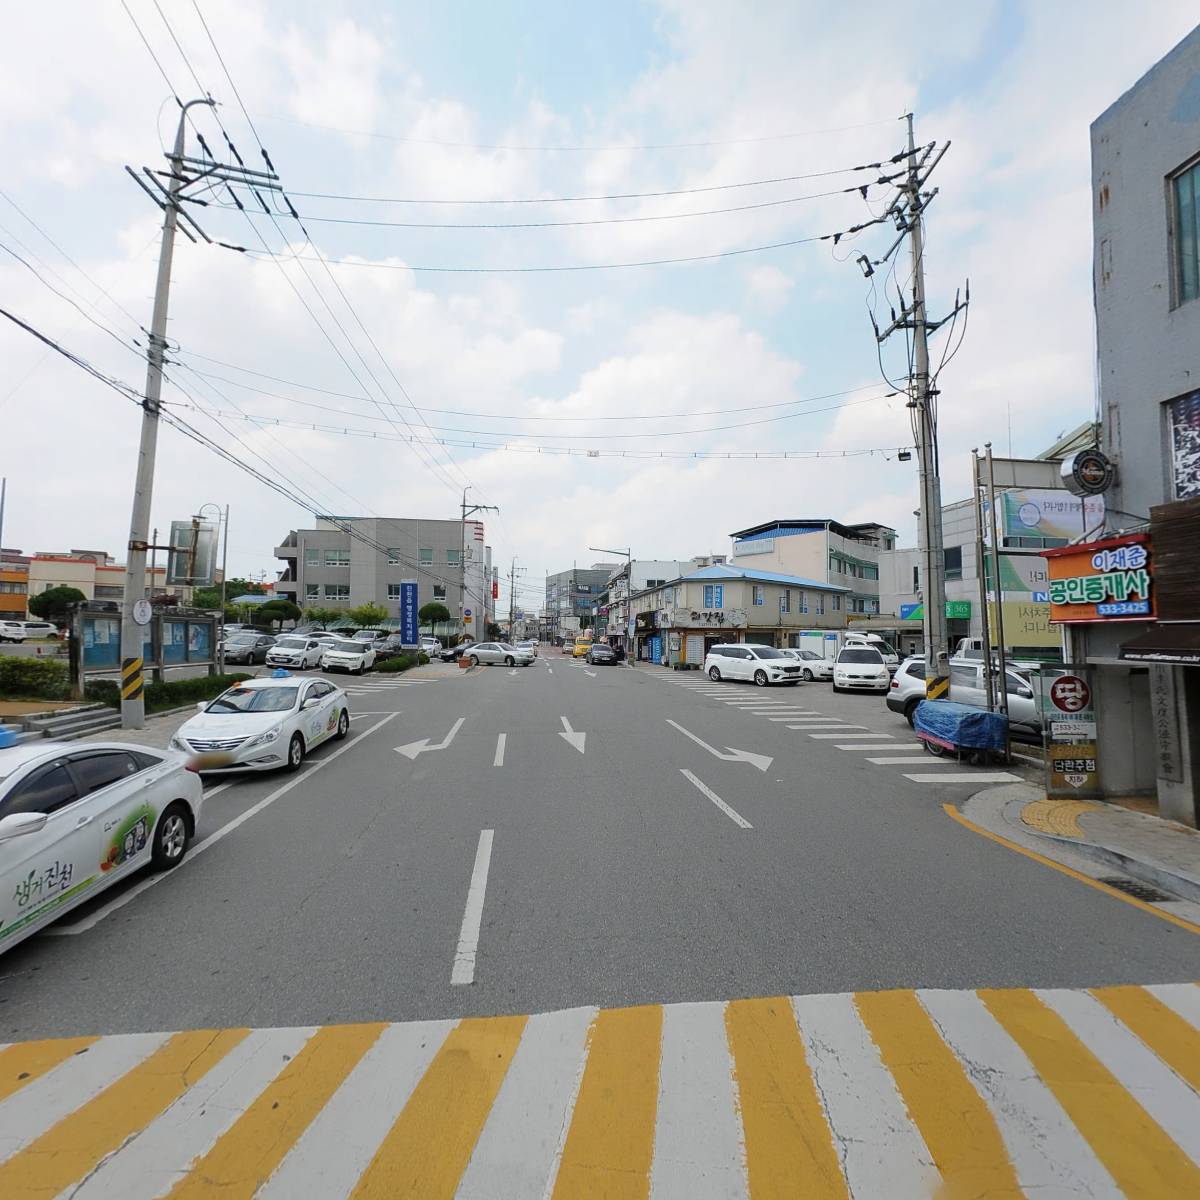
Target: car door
column 43, row 874
column 738, row 660
column 261, row 646
column 117, row 786
column 1022, row 707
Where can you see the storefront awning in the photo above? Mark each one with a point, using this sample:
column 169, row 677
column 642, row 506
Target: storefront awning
column 1171, row 643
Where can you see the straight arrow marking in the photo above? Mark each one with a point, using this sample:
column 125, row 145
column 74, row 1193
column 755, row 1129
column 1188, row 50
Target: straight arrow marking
column 570, row 736
column 761, row 761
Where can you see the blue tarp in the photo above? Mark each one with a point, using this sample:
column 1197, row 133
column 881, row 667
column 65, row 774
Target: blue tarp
column 962, row 725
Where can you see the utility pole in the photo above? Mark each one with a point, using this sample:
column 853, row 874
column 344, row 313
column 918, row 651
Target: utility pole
column 462, row 560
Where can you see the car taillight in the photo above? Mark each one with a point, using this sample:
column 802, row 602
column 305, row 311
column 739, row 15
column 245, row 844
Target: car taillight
column 895, row 684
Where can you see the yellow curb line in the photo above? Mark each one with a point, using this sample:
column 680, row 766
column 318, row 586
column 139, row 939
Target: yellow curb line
column 954, row 814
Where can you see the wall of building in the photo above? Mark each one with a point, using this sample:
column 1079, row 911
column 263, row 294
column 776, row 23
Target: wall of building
column 14, row 590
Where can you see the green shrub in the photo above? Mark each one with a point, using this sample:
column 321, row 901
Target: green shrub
column 32, row 679
column 103, row 691
column 400, row 662
column 171, row 694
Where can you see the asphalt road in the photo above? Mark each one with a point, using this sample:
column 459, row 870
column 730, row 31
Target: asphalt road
column 644, row 868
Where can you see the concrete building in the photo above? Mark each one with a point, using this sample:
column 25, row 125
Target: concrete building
column 612, row 616
column 571, row 596
column 1146, row 284
column 93, row 572
column 14, row 585
column 331, row 567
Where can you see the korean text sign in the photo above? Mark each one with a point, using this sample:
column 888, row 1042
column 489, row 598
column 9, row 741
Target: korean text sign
column 1109, row 580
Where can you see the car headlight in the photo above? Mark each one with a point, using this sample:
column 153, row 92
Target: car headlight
column 263, row 738
column 177, row 743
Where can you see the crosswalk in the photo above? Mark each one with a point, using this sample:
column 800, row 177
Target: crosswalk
column 797, row 713
column 894, row 1094
column 371, row 686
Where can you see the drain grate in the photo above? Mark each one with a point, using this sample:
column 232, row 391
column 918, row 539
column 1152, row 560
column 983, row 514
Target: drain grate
column 1139, row 891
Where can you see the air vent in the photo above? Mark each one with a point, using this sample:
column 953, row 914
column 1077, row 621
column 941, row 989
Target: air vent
column 1139, row 891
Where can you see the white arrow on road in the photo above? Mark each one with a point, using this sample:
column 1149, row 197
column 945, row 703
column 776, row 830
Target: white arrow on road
column 569, row 735
column 761, row 761
column 591, row 673
column 415, row 748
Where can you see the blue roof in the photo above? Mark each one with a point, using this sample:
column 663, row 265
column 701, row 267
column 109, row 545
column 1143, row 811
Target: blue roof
column 252, row 598
column 724, row 571
column 779, row 530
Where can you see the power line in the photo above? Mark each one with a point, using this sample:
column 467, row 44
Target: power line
column 150, row 51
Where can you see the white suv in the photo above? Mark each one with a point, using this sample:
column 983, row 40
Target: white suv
column 762, row 664
column 18, row 631
column 860, row 668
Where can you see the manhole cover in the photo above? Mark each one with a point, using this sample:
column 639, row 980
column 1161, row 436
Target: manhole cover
column 1139, row 891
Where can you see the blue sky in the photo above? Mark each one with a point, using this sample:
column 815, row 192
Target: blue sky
column 411, row 102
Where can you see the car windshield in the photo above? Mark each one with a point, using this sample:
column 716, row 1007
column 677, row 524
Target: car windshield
column 768, row 652
column 861, row 656
column 811, row 655
column 291, row 643
column 238, row 639
column 345, row 646
column 255, row 700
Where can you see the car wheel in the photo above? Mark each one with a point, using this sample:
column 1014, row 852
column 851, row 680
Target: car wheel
column 343, row 726
column 509, row 661
column 808, row 675
column 171, row 837
column 714, row 674
column 760, row 678
column 910, row 711
column 474, row 660
column 836, row 688
column 295, row 753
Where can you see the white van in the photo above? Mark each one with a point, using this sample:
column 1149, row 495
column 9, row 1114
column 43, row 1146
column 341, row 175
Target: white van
column 888, row 652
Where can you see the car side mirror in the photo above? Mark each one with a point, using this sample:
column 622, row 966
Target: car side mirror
column 311, row 702
column 16, row 824
column 201, row 705
column 1025, row 693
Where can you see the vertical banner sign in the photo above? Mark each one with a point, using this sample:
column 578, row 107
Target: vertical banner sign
column 409, row 633
column 1067, row 705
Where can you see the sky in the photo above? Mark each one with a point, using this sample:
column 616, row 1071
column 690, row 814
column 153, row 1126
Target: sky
column 318, row 355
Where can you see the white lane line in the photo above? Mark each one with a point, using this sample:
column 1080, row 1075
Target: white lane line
column 468, row 937
column 735, row 816
column 892, row 759
column 974, row 777
column 106, row 910
column 874, row 745
column 591, row 673
column 501, row 739
column 1184, row 998
column 843, row 736
column 826, row 725
column 212, row 791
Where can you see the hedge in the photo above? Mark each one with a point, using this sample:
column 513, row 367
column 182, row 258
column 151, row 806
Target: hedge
column 402, row 662
column 33, row 679
column 171, row 694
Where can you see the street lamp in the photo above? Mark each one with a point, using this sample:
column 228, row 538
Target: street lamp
column 224, row 561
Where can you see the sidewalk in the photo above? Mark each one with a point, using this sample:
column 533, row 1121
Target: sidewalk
column 1106, row 837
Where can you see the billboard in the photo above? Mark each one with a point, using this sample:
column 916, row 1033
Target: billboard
column 409, row 631
column 192, row 558
column 1045, row 513
column 1109, row 580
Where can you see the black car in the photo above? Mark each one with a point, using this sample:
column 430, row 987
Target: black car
column 601, row 654
column 454, row 653
column 248, row 647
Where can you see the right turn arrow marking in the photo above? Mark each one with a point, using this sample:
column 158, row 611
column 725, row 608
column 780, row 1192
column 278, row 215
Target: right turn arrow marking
column 761, row 761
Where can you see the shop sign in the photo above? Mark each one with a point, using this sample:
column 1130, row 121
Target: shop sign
column 1087, row 473
column 1066, row 698
column 1110, row 580
column 1046, row 513
column 956, row 610
column 1073, row 769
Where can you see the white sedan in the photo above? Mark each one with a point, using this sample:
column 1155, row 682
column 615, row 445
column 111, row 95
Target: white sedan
column 263, row 724
column 74, row 819
column 813, row 665
column 348, row 654
column 296, row 650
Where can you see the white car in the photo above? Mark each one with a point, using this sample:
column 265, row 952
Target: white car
column 263, row 724
column 430, row 646
column 18, row 631
column 860, row 668
column 297, row 651
column 748, row 661
column 76, row 818
column 499, row 653
column 348, row 654
column 529, row 644
column 812, row 665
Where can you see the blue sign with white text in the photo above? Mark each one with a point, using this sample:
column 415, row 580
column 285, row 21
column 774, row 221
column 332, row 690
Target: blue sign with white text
column 409, row 632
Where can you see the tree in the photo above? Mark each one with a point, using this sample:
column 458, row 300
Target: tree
column 493, row 631
column 275, row 612
column 210, row 597
column 364, row 615
column 433, row 612
column 322, row 616
column 54, row 604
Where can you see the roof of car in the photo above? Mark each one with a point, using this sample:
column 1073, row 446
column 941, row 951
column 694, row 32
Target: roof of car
column 262, row 681
column 12, row 758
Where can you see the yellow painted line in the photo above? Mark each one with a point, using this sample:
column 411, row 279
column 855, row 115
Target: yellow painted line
column 610, row 1145
column 430, row 1144
column 67, row 1151
column 955, row 815
column 1172, row 1038
column 245, row 1155
column 950, row 1114
column 789, row 1146
column 1059, row 818
column 1142, row 1159
column 23, row 1063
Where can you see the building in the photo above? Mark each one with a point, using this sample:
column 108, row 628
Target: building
column 1146, row 286
column 14, row 585
column 93, row 572
column 637, row 575
column 572, row 595
column 346, row 561
column 677, row 621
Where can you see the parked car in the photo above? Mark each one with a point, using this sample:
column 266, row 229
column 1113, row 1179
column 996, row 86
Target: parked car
column 348, row 654
column 744, row 660
column 493, row 653
column 373, row 636
column 601, row 654
column 812, row 665
column 76, row 818
column 907, row 688
column 247, row 647
column 968, row 685
column 12, row 631
column 886, row 650
column 293, row 651
column 860, row 668
column 20, row 631
column 454, row 653
column 430, row 646
column 264, row 724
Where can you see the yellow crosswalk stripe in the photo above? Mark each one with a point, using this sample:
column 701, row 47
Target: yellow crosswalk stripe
column 1142, row 1159
column 789, row 1145
column 427, row 1149
column 1158, row 1025
column 610, row 1145
column 244, row 1157
column 950, row 1114
column 69, row 1150
column 23, row 1063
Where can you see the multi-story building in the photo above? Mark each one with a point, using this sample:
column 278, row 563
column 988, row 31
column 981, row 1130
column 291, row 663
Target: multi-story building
column 612, row 605
column 347, row 561
column 93, row 572
column 572, row 595
column 14, row 584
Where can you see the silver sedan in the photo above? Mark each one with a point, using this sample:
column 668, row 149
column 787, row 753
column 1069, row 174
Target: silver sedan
column 499, row 653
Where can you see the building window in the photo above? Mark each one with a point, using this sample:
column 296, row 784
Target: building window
column 1185, row 188
column 820, row 603
column 393, row 591
column 439, row 591
column 803, row 601
column 916, row 587
column 837, row 603
column 714, row 595
column 103, row 590
column 953, row 559
column 337, row 591
column 21, row 589
column 453, row 556
column 312, row 591
column 394, row 559
column 760, row 594
column 874, row 606
column 785, row 601
column 312, row 558
column 337, row 558
column 870, row 572
column 425, row 555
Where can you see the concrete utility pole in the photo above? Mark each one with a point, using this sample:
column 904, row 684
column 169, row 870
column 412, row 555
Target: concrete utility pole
column 462, row 562
column 133, row 705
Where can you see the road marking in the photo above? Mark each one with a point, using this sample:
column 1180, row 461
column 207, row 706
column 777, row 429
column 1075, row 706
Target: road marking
column 513, row 671
column 501, row 739
column 844, row 736
column 21, row 1064
column 735, row 816
column 892, row 760
column 310, row 768
column 974, row 777
column 213, row 791
column 591, row 673
column 761, row 761
column 468, row 937
column 825, row 725
column 789, row 717
column 874, row 745
column 550, row 669
column 415, row 748
column 568, row 735
column 1158, row 1025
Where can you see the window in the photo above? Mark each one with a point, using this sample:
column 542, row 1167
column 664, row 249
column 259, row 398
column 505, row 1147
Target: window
column 394, row 559
column 425, row 555
column 837, row 603
column 44, row 791
column 953, row 559
column 312, row 591
column 1185, row 189
column 803, row 601
column 107, row 591
column 714, row 595
column 916, row 587
column 760, row 594
column 439, row 591
column 393, row 591
column 870, row 572
column 337, row 591
column 820, row 603
column 96, row 771
column 337, row 558
column 19, row 588
column 312, row 558
column 785, row 600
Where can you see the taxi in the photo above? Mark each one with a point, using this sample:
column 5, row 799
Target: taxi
column 264, row 724
column 76, row 818
column 582, row 646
